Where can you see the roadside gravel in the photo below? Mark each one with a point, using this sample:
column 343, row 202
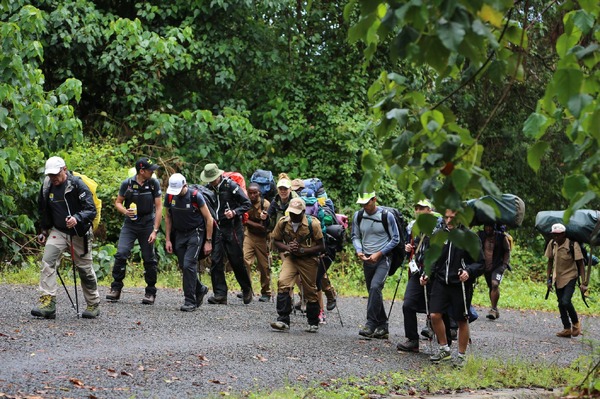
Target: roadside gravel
column 140, row 351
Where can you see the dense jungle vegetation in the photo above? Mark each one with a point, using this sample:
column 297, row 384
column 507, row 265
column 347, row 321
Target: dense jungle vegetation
column 450, row 100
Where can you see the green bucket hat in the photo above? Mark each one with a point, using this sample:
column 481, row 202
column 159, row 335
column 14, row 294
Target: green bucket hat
column 210, row 173
column 365, row 197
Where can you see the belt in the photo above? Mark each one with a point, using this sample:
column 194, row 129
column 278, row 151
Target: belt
column 188, row 230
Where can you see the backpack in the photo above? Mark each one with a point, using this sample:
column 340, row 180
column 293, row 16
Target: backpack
column 314, row 184
column 266, row 183
column 584, row 252
column 93, row 186
column 398, row 253
column 239, row 179
column 210, row 200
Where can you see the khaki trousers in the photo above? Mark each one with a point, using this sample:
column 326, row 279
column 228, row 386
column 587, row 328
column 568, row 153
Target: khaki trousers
column 255, row 248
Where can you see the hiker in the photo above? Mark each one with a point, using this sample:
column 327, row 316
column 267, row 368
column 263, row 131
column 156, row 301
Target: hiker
column 189, row 224
column 452, row 278
column 256, row 239
column 496, row 254
column 373, row 247
column 323, row 283
column 565, row 265
column 66, row 214
column 231, row 205
column 414, row 296
column 140, row 202
column 281, row 201
column 300, row 241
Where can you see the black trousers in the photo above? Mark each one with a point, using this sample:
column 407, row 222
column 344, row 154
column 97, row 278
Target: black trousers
column 229, row 241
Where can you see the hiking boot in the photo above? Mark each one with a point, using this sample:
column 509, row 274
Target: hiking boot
column 566, row 333
column 366, row 332
column 113, row 295
column 280, row 326
column 264, row 298
column 493, row 314
column 91, row 312
column 248, row 297
column 200, row 295
column 188, row 307
column 427, row 332
column 149, row 299
column 312, row 329
column 381, row 333
column 410, row 345
column 331, row 304
column 217, row 300
column 443, row 355
column 459, row 362
column 46, row 307
column 576, row 330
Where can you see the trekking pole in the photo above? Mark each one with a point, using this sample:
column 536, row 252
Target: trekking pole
column 428, row 321
column 65, row 287
column 74, row 277
column 466, row 311
column 336, row 306
column 395, row 292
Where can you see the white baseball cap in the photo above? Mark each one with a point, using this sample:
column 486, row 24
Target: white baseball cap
column 54, row 165
column 176, row 183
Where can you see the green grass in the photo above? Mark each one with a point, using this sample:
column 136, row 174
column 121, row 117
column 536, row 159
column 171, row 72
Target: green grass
column 436, row 379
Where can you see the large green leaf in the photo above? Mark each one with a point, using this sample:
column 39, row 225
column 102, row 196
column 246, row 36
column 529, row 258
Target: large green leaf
column 451, row 34
column 567, row 82
column 535, row 154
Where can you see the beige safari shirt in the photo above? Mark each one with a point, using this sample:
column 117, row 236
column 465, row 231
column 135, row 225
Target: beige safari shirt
column 565, row 266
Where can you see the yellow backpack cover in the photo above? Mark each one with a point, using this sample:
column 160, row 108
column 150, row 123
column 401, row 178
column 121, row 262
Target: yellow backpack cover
column 92, row 185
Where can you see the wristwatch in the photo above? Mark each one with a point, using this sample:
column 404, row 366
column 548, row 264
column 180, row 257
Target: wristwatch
column 156, row 230
column 302, row 250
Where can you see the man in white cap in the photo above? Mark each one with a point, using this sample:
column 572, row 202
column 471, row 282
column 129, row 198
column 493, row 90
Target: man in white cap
column 300, row 240
column 140, row 202
column 565, row 265
column 231, row 204
column 374, row 245
column 189, row 224
column 67, row 210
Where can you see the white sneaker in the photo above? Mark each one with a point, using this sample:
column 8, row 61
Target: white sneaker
column 312, row 329
column 280, row 326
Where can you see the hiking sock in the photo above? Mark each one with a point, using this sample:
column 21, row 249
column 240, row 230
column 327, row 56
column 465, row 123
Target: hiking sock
column 461, row 355
column 445, row 348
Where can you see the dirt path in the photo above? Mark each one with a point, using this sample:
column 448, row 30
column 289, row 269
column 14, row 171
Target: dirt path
column 140, row 351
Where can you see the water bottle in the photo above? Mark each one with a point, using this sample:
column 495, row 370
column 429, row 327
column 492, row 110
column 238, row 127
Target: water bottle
column 133, row 207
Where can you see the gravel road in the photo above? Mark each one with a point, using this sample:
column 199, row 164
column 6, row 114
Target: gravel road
column 140, row 351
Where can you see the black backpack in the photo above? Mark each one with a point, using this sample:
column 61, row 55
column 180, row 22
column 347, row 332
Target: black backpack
column 266, row 183
column 398, row 254
column 211, row 201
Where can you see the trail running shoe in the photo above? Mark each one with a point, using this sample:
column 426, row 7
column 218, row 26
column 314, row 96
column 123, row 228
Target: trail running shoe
column 443, row 355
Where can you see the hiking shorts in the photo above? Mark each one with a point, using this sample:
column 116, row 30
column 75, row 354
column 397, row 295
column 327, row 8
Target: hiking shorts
column 494, row 275
column 449, row 299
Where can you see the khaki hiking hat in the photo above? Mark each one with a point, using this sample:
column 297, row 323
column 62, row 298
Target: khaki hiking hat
column 297, row 184
column 284, row 183
column 210, row 173
column 365, row 197
column 296, row 206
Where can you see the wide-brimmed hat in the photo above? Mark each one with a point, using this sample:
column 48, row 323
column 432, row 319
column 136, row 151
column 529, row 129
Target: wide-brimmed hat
column 363, row 198
column 210, row 173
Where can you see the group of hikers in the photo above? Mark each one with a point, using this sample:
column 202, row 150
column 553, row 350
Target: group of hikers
column 219, row 220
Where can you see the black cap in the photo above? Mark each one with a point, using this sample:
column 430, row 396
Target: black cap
column 145, row 163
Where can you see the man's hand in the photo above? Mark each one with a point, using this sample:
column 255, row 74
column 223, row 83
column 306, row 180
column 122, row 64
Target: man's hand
column 424, row 280
column 463, row 275
column 583, row 288
column 71, row 222
column 169, row 246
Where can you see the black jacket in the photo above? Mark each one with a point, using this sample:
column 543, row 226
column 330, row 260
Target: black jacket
column 79, row 201
column 229, row 195
column 452, row 260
